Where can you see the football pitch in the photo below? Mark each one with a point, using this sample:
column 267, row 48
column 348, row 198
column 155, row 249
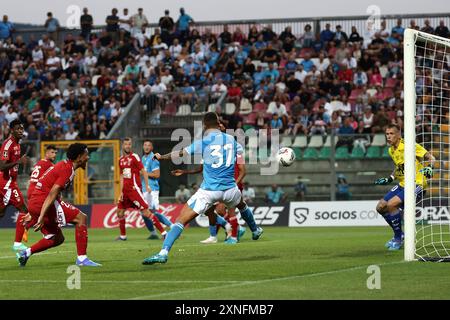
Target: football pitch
column 286, row 263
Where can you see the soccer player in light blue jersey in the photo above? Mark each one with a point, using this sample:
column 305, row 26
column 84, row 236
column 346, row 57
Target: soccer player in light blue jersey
column 218, row 151
column 152, row 169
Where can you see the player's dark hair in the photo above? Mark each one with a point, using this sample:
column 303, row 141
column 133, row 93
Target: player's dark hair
column 15, row 123
column 148, row 140
column 51, row 147
column 211, row 120
column 126, row 139
column 392, row 126
column 75, row 150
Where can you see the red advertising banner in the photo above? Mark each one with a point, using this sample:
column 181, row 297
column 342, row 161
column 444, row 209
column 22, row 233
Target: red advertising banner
column 104, row 215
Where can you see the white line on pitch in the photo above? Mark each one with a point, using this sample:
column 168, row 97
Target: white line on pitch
column 121, row 281
column 243, row 283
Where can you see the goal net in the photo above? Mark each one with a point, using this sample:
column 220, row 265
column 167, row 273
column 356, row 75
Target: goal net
column 426, row 96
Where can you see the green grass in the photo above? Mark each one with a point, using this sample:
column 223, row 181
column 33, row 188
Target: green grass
column 286, row 263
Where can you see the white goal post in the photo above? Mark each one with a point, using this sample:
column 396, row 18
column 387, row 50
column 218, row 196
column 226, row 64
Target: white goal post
column 426, row 121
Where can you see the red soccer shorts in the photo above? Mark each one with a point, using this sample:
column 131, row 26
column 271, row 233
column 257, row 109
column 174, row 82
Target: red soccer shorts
column 10, row 195
column 58, row 215
column 132, row 199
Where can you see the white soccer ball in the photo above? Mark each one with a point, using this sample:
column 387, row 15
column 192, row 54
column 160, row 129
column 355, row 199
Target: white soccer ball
column 285, row 157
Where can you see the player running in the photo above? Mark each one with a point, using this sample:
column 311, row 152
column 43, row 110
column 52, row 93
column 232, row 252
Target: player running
column 391, row 205
column 218, row 151
column 131, row 168
column 47, row 212
column 9, row 168
column 38, row 170
column 152, row 169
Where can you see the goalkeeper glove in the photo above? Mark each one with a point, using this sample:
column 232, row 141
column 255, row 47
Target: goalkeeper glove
column 384, row 181
column 427, row 172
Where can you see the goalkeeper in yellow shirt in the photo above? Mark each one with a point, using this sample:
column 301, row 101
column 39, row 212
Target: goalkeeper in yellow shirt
column 391, row 205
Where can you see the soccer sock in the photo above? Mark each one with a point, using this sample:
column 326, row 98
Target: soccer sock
column 233, row 221
column 149, row 224
column 213, row 231
column 81, row 238
column 20, row 229
column 123, row 230
column 171, row 237
column 221, row 221
column 157, row 224
column 45, row 244
column 162, row 218
column 247, row 215
column 396, row 224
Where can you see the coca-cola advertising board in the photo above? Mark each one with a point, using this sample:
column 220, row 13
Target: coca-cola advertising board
column 104, row 215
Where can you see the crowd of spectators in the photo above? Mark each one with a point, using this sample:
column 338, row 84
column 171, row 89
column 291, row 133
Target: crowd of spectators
column 309, row 83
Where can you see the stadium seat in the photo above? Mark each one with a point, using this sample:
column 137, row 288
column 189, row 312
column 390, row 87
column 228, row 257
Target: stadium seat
column 328, row 141
column 325, row 153
column 342, row 153
column 170, row 109
column 391, row 83
column 316, row 141
column 184, row 110
column 373, row 152
column 230, row 108
column 388, row 93
column 379, row 140
column 286, row 141
column 298, row 153
column 245, row 106
column 260, row 107
column 310, row 154
column 357, row 153
column 300, row 142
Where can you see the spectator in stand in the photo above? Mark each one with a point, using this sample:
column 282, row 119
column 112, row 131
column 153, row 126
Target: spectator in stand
column 345, row 132
column 86, row 23
column 248, row 193
column 342, row 188
column 182, row 25
column 225, row 37
column 326, row 35
column 300, row 189
column 398, row 28
column 125, row 24
column 427, row 27
column 166, row 24
column 182, row 194
column 307, row 38
column 275, row 195
column 354, row 36
column 380, row 121
column 442, row 30
column 339, row 35
column 52, row 26
column 112, row 25
column 139, row 23
column 276, row 122
column 6, row 29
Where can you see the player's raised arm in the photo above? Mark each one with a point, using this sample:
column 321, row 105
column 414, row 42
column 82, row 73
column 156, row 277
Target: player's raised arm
column 428, row 170
column 171, row 155
column 49, row 201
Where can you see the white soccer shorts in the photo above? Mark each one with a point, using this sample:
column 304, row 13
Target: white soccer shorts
column 202, row 200
column 152, row 199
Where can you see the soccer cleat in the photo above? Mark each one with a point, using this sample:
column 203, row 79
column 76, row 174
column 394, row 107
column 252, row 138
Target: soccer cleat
column 241, row 232
column 157, row 258
column 119, row 238
column 231, row 241
column 22, row 258
column 209, row 240
column 153, row 237
column 257, row 234
column 389, row 243
column 396, row 245
column 87, row 263
column 19, row 247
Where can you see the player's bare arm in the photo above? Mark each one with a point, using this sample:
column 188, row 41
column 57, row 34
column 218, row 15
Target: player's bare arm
column 6, row 166
column 242, row 173
column 180, row 172
column 145, row 175
column 171, row 155
column 49, row 201
column 154, row 174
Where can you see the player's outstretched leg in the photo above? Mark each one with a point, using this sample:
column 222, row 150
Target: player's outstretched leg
column 233, row 221
column 162, row 218
column 21, row 234
column 247, row 215
column 186, row 216
column 48, row 241
column 81, row 239
column 156, row 223
column 151, row 228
